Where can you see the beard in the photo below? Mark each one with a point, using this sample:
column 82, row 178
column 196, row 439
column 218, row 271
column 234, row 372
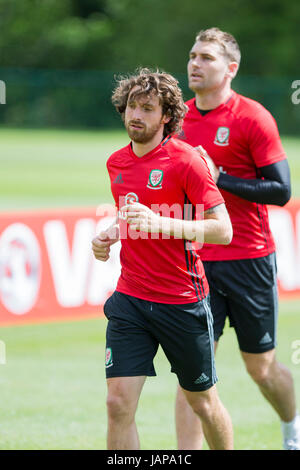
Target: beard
column 142, row 135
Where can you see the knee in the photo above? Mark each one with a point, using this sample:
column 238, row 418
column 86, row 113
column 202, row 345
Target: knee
column 119, row 407
column 203, row 408
column 261, row 375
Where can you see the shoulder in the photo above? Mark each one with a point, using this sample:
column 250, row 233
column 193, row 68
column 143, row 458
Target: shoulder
column 249, row 110
column 179, row 150
column 192, row 110
column 118, row 156
column 253, row 119
column 183, row 156
column 190, row 103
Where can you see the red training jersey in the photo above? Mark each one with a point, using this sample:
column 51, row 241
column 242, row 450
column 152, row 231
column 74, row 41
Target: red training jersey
column 155, row 267
column 240, row 136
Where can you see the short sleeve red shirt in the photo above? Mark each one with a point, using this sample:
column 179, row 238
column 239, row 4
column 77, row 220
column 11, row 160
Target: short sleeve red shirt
column 240, row 136
column 156, row 268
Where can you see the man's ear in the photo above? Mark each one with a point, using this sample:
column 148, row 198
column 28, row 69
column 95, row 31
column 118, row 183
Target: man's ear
column 232, row 69
column 166, row 118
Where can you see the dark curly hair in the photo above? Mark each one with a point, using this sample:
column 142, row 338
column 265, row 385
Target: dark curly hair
column 163, row 85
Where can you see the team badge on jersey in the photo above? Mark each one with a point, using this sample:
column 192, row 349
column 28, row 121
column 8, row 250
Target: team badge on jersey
column 155, row 179
column 222, row 136
column 108, row 358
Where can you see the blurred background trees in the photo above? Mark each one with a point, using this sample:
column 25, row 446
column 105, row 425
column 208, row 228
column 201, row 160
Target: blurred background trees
column 58, row 57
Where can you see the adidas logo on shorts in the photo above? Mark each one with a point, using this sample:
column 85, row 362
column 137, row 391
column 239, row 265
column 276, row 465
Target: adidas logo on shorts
column 203, row 378
column 266, row 339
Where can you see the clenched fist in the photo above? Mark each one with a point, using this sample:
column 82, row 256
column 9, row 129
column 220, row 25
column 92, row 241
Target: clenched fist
column 101, row 243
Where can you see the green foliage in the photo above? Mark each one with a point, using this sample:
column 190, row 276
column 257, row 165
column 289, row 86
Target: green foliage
column 54, row 33
column 101, row 37
column 122, row 34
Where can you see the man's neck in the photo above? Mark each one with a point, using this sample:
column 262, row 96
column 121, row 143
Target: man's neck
column 142, row 149
column 212, row 99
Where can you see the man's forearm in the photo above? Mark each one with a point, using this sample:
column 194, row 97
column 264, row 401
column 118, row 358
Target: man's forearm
column 202, row 231
column 275, row 188
column 113, row 231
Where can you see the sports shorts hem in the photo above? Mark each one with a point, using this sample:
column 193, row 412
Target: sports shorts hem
column 258, row 351
column 199, row 388
column 138, row 374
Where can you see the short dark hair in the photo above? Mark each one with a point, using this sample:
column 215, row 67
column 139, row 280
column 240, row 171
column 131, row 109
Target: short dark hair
column 227, row 42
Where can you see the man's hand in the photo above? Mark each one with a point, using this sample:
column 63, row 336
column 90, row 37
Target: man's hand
column 215, row 172
column 102, row 243
column 140, row 217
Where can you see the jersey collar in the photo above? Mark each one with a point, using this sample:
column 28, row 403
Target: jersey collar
column 211, row 111
column 152, row 152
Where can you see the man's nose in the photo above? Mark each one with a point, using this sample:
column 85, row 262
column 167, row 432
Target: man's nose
column 137, row 113
column 196, row 61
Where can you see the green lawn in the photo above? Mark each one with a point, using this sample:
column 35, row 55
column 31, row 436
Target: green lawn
column 50, row 168
column 53, row 389
column 53, row 386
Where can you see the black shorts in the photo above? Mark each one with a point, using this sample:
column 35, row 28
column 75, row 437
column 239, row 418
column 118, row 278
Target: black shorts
column 245, row 291
column 137, row 327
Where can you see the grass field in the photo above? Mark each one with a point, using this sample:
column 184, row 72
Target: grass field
column 53, row 385
column 47, row 168
column 53, row 389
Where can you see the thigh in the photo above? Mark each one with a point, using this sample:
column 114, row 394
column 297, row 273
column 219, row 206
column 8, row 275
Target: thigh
column 195, row 399
column 259, row 365
column 251, row 287
column 126, row 390
column 130, row 347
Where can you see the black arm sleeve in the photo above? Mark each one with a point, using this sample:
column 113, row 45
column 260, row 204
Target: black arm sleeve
column 274, row 188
